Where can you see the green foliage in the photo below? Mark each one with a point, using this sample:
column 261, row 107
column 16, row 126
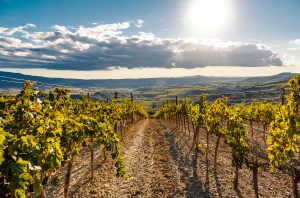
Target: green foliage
column 216, row 115
column 235, row 136
column 284, row 129
column 39, row 130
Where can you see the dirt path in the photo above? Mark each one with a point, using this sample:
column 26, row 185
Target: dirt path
column 160, row 163
column 151, row 169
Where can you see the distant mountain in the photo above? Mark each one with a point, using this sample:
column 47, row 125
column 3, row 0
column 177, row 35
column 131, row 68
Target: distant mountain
column 283, row 77
column 15, row 80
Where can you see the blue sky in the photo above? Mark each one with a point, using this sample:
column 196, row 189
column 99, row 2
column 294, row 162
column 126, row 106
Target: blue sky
column 257, row 33
column 270, row 20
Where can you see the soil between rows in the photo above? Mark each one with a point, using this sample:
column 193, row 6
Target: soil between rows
column 161, row 163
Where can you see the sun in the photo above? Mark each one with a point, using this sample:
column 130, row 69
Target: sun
column 208, row 16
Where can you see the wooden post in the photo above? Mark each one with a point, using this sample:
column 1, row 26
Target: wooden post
column 116, row 124
column 116, row 95
column 88, row 95
column 92, row 158
column 177, row 123
column 168, row 114
column 153, row 106
column 236, row 178
column 131, row 98
column 295, row 179
column 282, row 95
column 68, row 177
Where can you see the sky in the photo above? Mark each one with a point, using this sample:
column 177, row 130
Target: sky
column 111, row 39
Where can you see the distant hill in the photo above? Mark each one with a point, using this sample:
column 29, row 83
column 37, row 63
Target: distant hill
column 283, row 77
column 15, row 80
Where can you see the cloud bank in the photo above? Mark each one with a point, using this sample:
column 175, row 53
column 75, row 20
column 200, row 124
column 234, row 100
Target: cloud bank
column 106, row 46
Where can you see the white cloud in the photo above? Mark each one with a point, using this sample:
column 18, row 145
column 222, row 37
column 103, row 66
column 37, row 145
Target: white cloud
column 139, row 23
column 7, row 42
column 11, row 42
column 11, row 31
column 22, row 53
column 48, row 57
column 100, row 32
column 296, row 42
column 289, row 59
column 104, row 46
column 294, row 45
column 59, row 28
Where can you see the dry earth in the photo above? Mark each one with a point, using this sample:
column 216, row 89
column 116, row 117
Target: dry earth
column 161, row 163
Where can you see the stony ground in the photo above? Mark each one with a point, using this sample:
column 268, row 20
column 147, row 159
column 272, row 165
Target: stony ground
column 161, row 163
